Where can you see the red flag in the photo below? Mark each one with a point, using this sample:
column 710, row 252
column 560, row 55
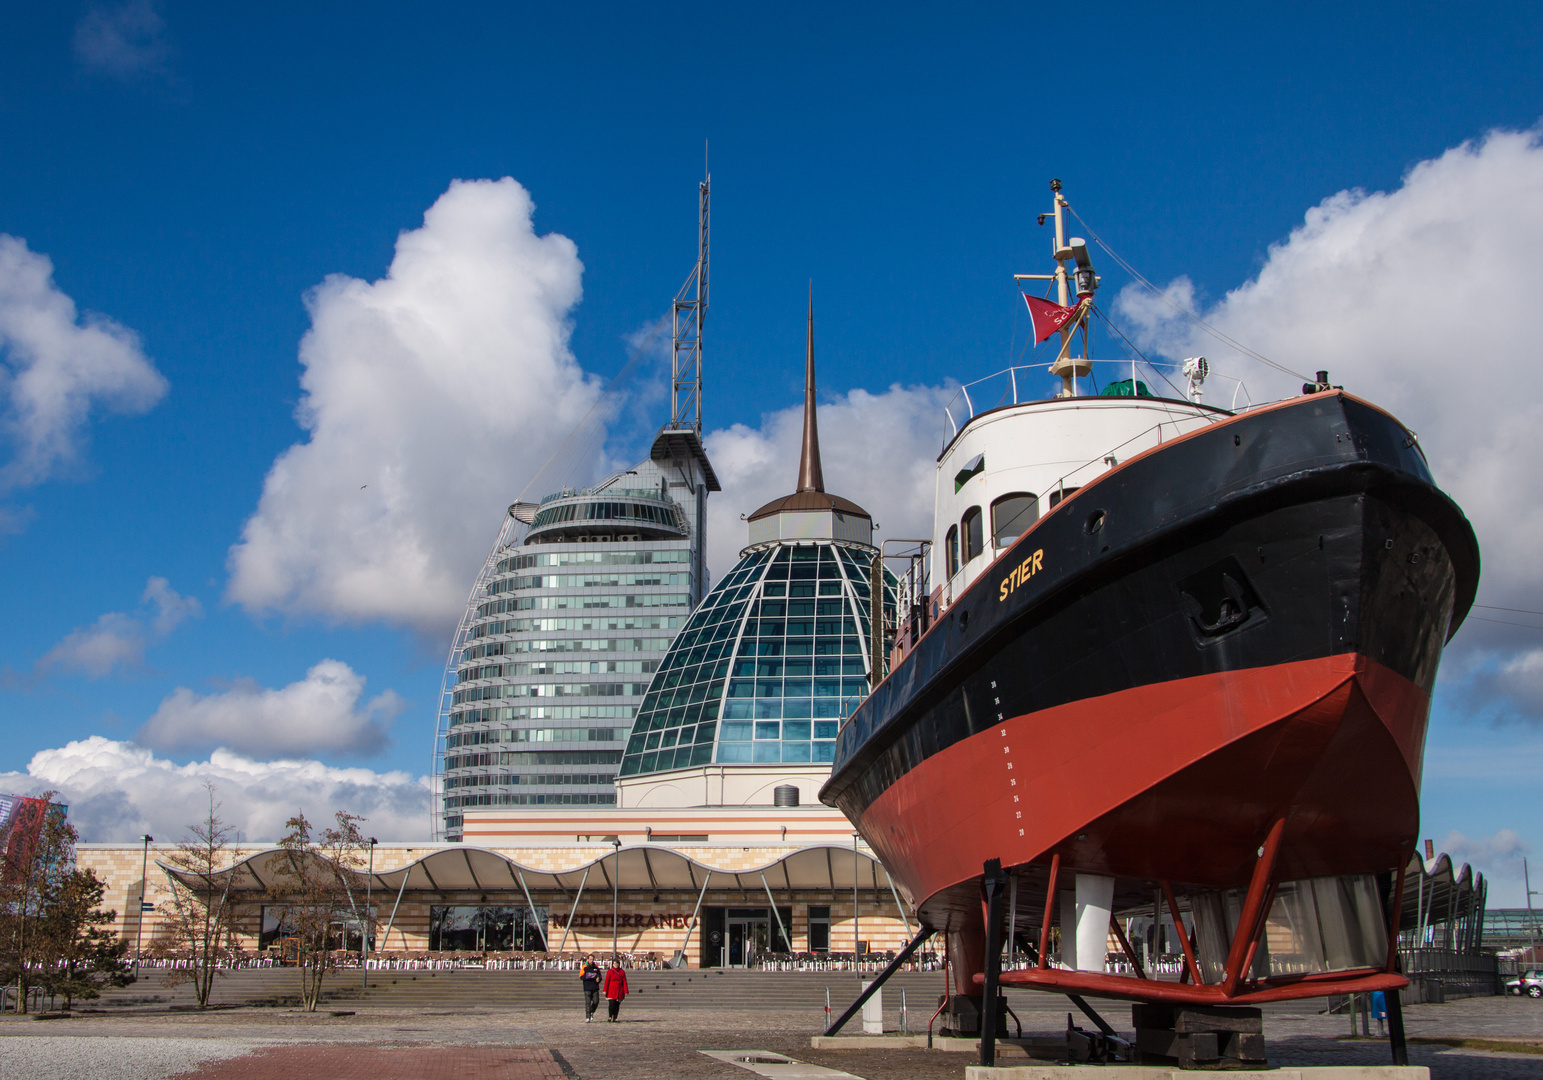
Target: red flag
column 1047, row 317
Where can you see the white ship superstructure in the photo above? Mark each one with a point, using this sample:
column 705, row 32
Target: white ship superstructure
column 1012, row 454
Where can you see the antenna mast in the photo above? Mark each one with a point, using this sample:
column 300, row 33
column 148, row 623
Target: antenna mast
column 690, row 311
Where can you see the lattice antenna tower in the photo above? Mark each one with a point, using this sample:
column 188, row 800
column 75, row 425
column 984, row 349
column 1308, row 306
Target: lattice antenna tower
column 690, row 310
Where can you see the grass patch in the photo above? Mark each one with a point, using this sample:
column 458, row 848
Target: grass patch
column 1503, row 1046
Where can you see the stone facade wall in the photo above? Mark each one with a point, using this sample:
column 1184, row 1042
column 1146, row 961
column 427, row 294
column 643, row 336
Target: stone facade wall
column 648, row 922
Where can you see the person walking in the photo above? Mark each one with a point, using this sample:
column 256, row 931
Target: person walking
column 615, row 989
column 591, row 976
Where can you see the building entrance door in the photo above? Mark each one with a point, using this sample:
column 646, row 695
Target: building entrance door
column 749, row 934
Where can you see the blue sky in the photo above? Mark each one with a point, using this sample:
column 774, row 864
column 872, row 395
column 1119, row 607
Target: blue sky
column 194, row 173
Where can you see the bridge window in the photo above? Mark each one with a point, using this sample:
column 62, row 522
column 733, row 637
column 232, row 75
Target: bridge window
column 971, row 527
column 1011, row 516
column 951, row 550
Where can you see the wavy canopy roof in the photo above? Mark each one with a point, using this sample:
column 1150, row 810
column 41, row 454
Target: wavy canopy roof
column 1439, row 892
column 642, row 866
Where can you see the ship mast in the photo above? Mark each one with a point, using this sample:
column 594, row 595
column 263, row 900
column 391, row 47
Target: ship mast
column 1060, row 244
column 1075, row 250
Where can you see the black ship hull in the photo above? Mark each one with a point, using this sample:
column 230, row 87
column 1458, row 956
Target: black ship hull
column 1238, row 628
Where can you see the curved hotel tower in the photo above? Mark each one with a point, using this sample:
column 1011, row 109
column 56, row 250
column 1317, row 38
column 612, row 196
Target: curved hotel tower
column 569, row 627
column 573, row 611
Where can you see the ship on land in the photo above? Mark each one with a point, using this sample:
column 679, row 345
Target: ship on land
column 1174, row 660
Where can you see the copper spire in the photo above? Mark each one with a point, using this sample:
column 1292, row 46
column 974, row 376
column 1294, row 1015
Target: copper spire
column 810, row 477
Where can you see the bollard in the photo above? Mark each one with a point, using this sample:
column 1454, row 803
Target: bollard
column 873, row 1011
column 827, row 1010
column 905, row 1016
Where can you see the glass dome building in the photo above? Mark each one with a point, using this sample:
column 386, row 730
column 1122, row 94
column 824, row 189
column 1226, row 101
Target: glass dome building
column 776, row 655
column 766, row 668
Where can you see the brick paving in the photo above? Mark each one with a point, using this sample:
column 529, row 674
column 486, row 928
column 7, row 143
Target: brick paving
column 396, row 1063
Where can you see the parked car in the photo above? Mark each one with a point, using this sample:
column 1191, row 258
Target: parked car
column 1528, row 982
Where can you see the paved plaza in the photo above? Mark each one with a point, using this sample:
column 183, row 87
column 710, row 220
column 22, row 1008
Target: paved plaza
column 143, row 1035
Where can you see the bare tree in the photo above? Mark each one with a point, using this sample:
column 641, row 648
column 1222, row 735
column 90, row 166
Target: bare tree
column 202, row 921
column 320, row 884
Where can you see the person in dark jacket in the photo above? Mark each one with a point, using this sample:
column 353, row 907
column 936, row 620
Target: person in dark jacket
column 615, row 990
column 591, row 976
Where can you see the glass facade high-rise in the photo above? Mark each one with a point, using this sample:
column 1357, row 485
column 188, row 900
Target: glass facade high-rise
column 574, row 609
column 571, row 618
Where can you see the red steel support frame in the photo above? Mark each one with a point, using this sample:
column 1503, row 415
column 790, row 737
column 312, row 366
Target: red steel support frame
column 1253, row 946
column 1178, row 928
column 1362, row 981
column 948, row 986
column 1398, row 910
column 1130, row 954
column 1242, row 950
column 1255, row 908
column 1044, row 927
column 1194, row 946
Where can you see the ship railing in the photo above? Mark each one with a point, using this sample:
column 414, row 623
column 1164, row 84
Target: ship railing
column 913, row 595
column 600, row 490
column 1019, row 384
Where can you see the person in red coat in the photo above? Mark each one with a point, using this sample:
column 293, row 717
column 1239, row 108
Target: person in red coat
column 615, row 989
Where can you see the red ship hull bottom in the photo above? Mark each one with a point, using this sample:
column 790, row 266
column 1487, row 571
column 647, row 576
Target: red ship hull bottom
column 1060, row 981
column 1178, row 781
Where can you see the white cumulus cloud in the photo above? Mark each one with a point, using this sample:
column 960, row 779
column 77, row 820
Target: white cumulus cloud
column 119, row 791
column 879, row 450
column 118, row 639
column 56, row 368
column 1497, row 856
column 1423, row 299
column 430, row 397
column 322, row 712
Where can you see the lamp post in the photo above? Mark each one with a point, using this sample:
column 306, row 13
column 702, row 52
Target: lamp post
column 144, row 866
column 364, row 925
column 857, row 959
column 615, row 894
column 1532, row 924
